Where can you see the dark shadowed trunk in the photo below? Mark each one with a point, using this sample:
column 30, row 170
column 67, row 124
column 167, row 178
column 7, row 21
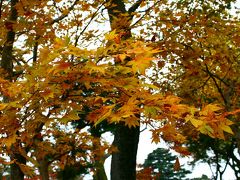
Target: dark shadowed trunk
column 16, row 172
column 123, row 165
column 100, row 173
column 43, row 168
column 7, row 65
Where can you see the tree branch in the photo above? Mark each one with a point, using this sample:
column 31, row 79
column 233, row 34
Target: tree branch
column 1, row 3
column 214, row 75
column 35, row 49
column 216, row 84
column 7, row 52
column 65, row 14
column 115, row 9
column 134, row 7
column 93, row 16
column 146, row 11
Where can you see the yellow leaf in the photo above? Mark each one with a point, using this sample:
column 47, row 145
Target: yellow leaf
column 155, row 137
column 151, row 86
column 72, row 116
column 150, row 111
column 195, row 122
column 111, row 35
column 206, row 130
column 122, row 57
column 93, row 68
column 60, row 67
column 173, row 100
column 228, row 122
column 140, row 64
column 226, row 128
column 210, row 108
column 3, row 105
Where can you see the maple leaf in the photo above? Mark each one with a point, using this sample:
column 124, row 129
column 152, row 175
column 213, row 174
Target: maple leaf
column 155, row 136
column 71, row 116
column 111, row 35
column 131, row 121
column 206, row 129
column 150, row 111
column 201, row 66
column 182, row 150
column 47, row 93
column 140, row 64
column 177, row 165
column 60, row 67
column 3, row 106
column 130, row 108
column 196, row 123
column 10, row 140
column 226, row 128
column 93, row 68
column 210, row 108
column 100, row 114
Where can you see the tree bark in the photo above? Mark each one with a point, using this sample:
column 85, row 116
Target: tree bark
column 7, row 65
column 123, row 165
column 43, row 168
column 100, row 173
column 7, row 53
column 16, row 173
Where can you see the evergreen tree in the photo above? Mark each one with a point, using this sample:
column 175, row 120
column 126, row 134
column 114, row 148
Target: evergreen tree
column 161, row 161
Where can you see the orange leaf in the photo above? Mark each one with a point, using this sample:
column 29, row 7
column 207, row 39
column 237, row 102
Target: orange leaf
column 99, row 115
column 176, row 165
column 131, row 121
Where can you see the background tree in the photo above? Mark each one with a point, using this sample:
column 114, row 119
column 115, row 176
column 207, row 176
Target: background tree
column 218, row 154
column 206, row 67
column 162, row 162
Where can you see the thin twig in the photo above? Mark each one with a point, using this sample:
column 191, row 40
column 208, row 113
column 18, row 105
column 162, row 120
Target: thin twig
column 1, row 3
column 64, row 14
column 217, row 86
column 146, row 11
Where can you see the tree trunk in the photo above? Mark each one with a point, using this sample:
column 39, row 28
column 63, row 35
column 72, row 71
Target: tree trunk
column 7, row 65
column 16, row 172
column 7, row 53
column 123, row 166
column 100, row 171
column 43, row 168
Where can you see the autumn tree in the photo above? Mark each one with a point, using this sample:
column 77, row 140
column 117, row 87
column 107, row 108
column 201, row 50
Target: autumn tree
column 218, row 154
column 56, row 62
column 206, row 70
column 194, row 69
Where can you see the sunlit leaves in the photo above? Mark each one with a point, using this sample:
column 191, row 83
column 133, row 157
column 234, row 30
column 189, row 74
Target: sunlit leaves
column 9, row 141
column 143, row 57
column 99, row 115
column 2, row 106
column 61, row 75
